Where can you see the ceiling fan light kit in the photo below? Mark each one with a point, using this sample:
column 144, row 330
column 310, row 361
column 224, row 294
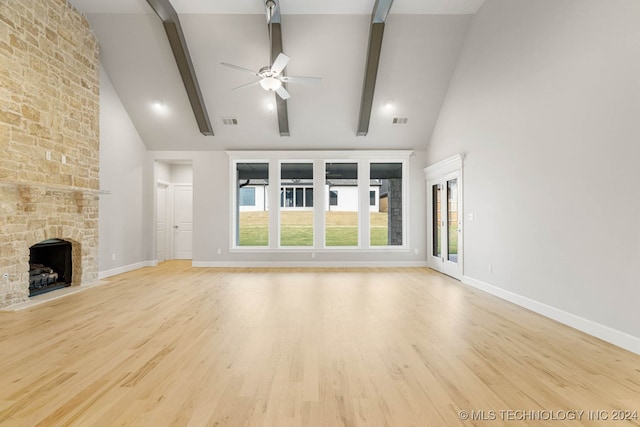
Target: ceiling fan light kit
column 270, row 83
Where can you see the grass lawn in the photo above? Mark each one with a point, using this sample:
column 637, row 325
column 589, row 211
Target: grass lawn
column 453, row 239
column 297, row 228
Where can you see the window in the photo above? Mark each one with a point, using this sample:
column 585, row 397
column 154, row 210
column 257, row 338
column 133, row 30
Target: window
column 299, row 197
column 296, row 213
column 252, row 216
column 436, row 217
column 322, row 200
column 288, row 198
column 385, row 222
column 341, row 214
column 333, row 198
column 247, row 196
column 452, row 220
column 308, row 197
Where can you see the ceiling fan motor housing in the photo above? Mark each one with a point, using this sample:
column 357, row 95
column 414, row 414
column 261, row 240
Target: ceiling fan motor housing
column 266, row 72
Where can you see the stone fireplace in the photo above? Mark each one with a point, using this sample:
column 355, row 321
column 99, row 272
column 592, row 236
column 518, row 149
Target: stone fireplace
column 50, row 266
column 49, row 140
column 35, row 214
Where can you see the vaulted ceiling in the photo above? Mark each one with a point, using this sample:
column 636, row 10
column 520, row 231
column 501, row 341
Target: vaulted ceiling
column 329, row 39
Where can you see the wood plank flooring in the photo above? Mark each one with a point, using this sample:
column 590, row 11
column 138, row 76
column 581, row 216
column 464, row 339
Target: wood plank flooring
column 180, row 346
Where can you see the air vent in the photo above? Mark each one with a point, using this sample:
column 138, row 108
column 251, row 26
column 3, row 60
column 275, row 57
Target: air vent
column 229, row 121
column 400, row 120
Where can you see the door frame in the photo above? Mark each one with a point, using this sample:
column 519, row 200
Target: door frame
column 167, row 230
column 440, row 173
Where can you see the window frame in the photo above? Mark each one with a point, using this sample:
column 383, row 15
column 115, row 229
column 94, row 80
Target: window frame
column 319, row 160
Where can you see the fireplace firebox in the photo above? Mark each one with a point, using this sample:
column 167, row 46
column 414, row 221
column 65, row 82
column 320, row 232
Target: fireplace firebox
column 50, row 266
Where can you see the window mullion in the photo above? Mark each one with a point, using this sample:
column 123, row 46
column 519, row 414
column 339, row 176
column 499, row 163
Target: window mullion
column 363, row 199
column 274, row 204
column 319, row 202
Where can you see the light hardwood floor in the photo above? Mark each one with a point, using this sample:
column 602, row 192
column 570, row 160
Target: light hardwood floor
column 177, row 346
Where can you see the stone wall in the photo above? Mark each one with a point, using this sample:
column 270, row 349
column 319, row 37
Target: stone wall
column 49, row 138
column 394, row 209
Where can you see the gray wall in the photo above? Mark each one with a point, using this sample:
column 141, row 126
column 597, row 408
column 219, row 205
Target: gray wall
column 211, row 220
column 545, row 104
column 122, row 163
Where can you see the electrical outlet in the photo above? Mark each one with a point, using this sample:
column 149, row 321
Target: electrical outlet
column 415, row 251
column 219, row 251
column 113, row 256
column 313, row 254
column 490, row 268
column 47, row 155
column 64, row 159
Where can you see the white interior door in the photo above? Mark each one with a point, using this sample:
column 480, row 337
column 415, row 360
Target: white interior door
column 445, row 227
column 183, row 222
column 161, row 222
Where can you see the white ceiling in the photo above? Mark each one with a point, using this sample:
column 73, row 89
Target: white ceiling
column 418, row 57
column 291, row 7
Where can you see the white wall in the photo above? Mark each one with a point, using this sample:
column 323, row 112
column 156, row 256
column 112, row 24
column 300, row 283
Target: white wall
column 545, row 104
column 211, row 220
column 181, row 174
column 122, row 212
column 347, row 199
column 174, row 173
column 163, row 172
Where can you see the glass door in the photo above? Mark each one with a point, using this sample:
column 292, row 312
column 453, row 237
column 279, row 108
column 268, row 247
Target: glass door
column 444, row 225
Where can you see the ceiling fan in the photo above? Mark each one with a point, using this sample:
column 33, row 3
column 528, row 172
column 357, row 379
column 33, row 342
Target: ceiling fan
column 271, row 77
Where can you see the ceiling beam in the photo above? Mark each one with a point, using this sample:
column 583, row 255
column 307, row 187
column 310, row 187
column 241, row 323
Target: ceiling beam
column 276, row 49
column 178, row 43
column 376, row 32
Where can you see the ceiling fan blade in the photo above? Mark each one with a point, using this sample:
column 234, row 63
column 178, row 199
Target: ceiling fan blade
column 247, row 85
column 282, row 93
column 236, row 67
column 300, row 79
column 279, row 64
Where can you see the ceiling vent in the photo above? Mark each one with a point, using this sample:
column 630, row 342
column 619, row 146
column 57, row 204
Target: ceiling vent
column 400, row 120
column 229, row 121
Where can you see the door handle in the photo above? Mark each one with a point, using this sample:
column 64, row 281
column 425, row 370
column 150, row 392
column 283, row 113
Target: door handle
column 175, row 226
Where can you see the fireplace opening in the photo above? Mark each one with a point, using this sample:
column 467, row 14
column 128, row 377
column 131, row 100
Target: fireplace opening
column 49, row 266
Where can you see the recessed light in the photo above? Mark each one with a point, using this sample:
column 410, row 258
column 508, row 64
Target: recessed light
column 159, row 107
column 270, row 106
column 388, row 105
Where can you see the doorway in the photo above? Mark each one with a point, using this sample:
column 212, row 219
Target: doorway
column 174, row 210
column 444, row 225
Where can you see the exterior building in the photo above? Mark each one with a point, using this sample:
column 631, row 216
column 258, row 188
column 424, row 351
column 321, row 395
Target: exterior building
column 298, row 196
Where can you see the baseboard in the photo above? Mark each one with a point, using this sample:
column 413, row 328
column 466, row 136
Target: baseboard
column 126, row 268
column 605, row 333
column 306, row 264
column 50, row 296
